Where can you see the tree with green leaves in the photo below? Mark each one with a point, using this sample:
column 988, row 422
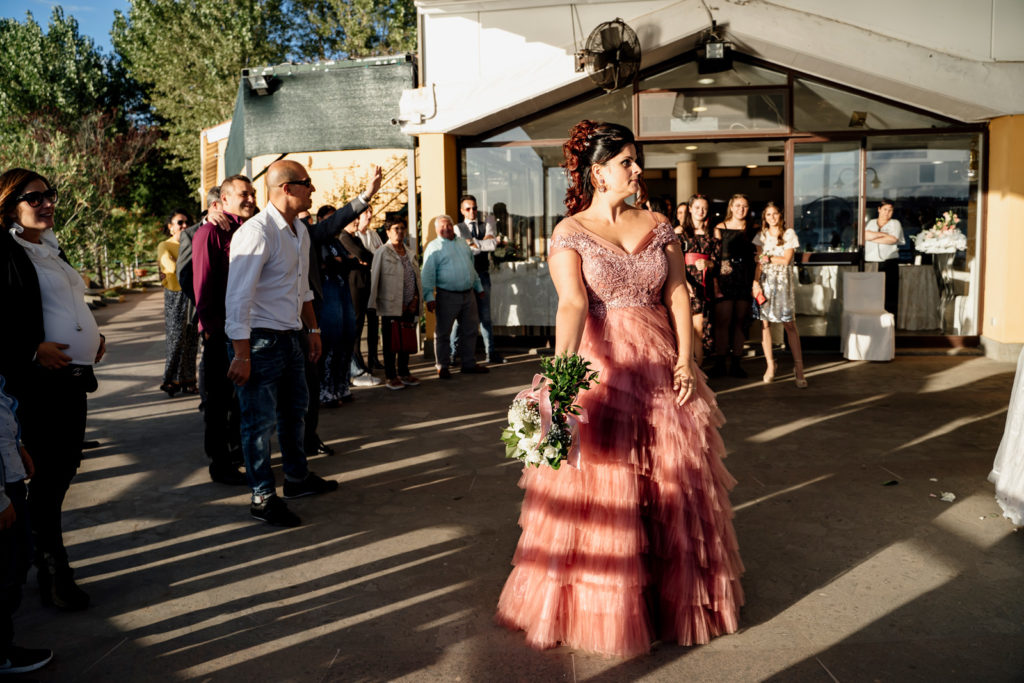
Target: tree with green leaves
column 73, row 116
column 332, row 29
column 57, row 70
column 188, row 58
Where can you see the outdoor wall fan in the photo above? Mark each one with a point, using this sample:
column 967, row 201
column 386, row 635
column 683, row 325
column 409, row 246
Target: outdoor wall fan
column 611, row 55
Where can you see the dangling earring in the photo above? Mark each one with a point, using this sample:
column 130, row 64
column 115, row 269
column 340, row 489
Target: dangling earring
column 601, row 186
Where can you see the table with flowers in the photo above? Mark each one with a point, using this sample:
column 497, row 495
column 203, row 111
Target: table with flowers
column 942, row 241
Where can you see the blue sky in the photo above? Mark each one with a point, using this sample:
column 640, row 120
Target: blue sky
column 95, row 17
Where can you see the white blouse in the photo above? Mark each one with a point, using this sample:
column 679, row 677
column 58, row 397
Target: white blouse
column 66, row 317
column 789, row 241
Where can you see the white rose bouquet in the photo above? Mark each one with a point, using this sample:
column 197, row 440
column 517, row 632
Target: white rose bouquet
column 543, row 421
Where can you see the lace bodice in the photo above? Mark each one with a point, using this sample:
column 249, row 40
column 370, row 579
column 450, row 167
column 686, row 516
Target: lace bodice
column 613, row 277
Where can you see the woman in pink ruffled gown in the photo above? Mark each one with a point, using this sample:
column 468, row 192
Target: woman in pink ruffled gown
column 637, row 544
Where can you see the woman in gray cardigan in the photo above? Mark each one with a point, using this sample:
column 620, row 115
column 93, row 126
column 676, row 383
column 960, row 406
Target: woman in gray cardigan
column 396, row 294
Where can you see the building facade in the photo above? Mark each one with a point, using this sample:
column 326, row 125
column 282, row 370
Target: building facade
column 826, row 108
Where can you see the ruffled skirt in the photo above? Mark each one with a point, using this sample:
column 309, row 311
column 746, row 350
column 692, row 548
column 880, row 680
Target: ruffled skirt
column 638, row 543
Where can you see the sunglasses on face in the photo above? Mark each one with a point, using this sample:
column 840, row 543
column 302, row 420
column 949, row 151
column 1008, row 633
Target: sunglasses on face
column 305, row 183
column 36, row 198
column 181, row 222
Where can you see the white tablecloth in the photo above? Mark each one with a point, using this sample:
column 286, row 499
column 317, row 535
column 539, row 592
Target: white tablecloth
column 522, row 294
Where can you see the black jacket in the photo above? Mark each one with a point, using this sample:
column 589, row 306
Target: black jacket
column 22, row 314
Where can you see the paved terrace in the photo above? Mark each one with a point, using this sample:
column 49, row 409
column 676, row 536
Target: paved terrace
column 395, row 577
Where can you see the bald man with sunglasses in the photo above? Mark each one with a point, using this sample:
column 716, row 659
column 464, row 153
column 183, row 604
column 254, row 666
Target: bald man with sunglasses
column 269, row 308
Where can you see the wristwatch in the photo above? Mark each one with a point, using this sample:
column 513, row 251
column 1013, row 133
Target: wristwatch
column 313, row 330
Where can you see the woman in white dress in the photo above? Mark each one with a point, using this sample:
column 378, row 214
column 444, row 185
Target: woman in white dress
column 1008, row 469
column 776, row 246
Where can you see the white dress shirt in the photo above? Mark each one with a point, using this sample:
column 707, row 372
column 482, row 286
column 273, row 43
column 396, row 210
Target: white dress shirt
column 66, row 317
column 268, row 275
column 481, row 244
column 875, row 252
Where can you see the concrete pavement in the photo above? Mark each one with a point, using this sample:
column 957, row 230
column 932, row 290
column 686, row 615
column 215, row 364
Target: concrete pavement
column 856, row 570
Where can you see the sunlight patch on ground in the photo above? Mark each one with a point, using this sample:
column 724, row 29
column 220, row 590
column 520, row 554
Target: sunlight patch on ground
column 384, row 467
column 277, row 586
column 962, row 374
column 949, row 428
column 137, row 551
column 868, row 593
column 445, row 421
column 317, row 632
column 795, row 487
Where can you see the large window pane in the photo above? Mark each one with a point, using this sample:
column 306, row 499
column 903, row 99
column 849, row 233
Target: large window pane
column 818, row 107
column 616, row 107
column 925, row 177
column 825, row 188
column 512, row 186
column 686, row 76
column 673, row 113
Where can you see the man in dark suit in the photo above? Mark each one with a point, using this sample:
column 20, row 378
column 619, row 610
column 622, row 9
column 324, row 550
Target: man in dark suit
column 480, row 238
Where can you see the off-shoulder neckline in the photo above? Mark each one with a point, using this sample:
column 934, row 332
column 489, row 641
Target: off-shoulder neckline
column 641, row 245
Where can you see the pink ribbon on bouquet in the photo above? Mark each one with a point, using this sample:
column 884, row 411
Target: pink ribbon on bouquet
column 573, row 458
column 539, row 392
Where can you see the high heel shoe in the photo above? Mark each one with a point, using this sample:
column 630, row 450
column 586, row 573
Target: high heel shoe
column 798, row 370
column 769, row 375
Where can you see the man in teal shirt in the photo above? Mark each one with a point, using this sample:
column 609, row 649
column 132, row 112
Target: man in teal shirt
column 449, row 283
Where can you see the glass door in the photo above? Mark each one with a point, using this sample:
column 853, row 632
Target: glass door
column 825, row 182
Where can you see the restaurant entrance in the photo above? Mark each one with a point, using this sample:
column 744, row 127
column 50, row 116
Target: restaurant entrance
column 829, row 156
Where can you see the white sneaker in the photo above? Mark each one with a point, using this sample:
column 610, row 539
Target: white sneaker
column 366, row 380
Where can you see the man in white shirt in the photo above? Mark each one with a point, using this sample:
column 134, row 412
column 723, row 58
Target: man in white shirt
column 269, row 305
column 480, row 238
column 882, row 239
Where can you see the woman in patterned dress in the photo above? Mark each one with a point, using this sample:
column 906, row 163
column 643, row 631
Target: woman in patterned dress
column 776, row 245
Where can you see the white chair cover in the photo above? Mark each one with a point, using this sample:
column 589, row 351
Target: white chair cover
column 867, row 331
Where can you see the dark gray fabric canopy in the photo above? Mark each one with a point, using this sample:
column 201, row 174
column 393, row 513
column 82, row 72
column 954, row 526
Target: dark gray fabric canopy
column 319, row 108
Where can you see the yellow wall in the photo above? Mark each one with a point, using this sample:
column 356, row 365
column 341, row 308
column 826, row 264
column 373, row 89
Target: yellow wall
column 437, row 170
column 1003, row 277
column 339, row 176
column 439, row 180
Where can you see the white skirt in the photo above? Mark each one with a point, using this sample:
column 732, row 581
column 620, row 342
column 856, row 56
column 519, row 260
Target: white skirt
column 1008, row 469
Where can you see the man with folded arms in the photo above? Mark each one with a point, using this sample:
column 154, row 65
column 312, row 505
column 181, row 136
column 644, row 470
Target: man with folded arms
column 269, row 306
column 449, row 282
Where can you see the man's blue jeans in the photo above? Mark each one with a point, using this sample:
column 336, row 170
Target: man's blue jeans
column 338, row 322
column 275, row 394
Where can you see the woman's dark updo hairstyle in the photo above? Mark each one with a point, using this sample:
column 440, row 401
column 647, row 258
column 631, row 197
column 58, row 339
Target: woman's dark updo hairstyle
column 592, row 143
column 689, row 229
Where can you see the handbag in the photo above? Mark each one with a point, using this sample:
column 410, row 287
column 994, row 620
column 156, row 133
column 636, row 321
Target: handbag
column 403, row 337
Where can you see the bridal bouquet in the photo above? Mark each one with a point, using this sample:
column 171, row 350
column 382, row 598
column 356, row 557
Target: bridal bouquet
column 543, row 420
column 942, row 238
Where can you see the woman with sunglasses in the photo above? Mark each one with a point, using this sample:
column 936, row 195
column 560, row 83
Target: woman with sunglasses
column 182, row 337
column 48, row 365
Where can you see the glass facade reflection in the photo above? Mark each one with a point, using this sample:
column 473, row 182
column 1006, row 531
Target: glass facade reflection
column 822, row 152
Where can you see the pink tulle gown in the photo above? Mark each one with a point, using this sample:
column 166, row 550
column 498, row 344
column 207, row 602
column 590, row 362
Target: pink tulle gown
column 637, row 544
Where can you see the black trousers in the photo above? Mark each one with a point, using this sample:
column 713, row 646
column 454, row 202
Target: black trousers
column 52, row 414
column 15, row 559
column 891, row 268
column 221, row 440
